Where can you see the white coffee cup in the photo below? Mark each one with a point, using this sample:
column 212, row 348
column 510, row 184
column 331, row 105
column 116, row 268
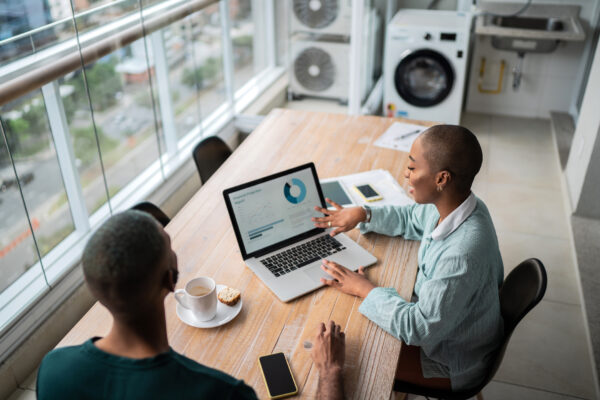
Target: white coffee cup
column 200, row 297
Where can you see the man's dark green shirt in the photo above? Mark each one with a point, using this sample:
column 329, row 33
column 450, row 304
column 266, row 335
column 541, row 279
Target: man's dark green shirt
column 86, row 372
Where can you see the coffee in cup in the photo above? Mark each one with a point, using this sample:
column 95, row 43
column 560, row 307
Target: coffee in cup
column 198, row 290
column 200, row 297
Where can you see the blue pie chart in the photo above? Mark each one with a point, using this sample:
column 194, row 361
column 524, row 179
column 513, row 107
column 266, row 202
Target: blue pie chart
column 287, row 191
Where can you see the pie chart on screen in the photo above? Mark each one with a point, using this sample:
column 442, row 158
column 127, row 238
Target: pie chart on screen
column 295, row 191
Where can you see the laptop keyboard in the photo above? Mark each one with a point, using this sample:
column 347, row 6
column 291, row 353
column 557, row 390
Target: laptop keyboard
column 304, row 254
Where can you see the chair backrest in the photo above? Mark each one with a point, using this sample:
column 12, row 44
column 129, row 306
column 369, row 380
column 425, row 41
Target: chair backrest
column 209, row 155
column 522, row 290
column 153, row 210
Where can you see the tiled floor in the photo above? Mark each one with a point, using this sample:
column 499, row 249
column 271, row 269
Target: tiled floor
column 548, row 356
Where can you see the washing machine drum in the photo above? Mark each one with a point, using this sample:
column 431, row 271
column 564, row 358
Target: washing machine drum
column 424, row 78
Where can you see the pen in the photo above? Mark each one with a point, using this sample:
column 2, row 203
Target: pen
column 408, row 134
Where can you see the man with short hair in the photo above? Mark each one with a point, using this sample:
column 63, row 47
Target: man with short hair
column 130, row 268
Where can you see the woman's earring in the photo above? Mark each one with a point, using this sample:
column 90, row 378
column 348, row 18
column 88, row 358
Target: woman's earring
column 440, row 188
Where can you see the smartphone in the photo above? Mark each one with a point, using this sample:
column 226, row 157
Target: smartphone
column 277, row 375
column 334, row 190
column 367, row 192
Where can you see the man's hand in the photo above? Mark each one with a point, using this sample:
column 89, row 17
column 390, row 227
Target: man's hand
column 328, row 354
column 328, row 349
column 354, row 283
column 344, row 219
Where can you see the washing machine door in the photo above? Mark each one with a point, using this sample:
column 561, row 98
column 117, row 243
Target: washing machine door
column 424, row 78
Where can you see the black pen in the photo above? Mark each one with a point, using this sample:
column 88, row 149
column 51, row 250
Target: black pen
column 408, row 134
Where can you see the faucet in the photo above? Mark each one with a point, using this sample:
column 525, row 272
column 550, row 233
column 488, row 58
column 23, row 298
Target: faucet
column 517, row 71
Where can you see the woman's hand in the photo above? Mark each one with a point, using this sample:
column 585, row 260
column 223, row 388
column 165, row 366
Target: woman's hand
column 344, row 219
column 354, row 283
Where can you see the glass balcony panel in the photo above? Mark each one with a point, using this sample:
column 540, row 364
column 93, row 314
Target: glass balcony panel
column 124, row 119
column 30, row 142
column 194, row 52
column 248, row 57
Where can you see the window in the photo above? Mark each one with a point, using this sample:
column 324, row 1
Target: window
column 195, row 61
column 35, row 215
column 122, row 102
column 249, row 51
column 135, row 90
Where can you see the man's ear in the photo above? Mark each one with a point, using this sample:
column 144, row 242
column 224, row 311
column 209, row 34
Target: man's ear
column 170, row 279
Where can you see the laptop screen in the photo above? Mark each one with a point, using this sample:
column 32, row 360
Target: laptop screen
column 274, row 209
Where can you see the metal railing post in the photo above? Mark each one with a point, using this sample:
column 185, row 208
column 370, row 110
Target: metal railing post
column 65, row 155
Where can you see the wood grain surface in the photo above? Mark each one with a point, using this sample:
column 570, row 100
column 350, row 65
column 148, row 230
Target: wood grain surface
column 203, row 238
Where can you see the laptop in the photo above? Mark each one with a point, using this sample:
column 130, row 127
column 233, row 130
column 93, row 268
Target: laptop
column 271, row 218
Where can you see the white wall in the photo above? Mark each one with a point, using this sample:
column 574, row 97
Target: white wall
column 586, row 136
column 550, row 82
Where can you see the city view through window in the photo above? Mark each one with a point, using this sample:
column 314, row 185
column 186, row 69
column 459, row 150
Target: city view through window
column 68, row 148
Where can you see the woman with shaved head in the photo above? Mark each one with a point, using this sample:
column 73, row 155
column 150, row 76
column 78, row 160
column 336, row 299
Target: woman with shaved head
column 452, row 325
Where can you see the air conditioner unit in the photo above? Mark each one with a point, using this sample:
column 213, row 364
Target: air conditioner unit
column 322, row 68
column 331, row 17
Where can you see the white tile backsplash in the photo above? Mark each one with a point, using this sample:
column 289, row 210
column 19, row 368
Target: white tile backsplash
column 557, row 94
column 565, row 59
column 547, row 81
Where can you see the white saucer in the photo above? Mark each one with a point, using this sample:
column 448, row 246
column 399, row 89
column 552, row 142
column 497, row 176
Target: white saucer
column 224, row 314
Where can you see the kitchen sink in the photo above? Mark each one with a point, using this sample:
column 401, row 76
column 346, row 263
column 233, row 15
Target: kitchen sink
column 537, row 30
column 540, row 24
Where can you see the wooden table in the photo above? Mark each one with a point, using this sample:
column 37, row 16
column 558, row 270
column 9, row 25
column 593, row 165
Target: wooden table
column 203, row 238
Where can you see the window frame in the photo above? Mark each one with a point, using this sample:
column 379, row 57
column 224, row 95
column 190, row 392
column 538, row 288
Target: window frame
column 29, row 298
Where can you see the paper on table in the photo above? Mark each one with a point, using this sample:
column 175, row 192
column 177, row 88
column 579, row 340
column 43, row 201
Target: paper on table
column 399, row 136
column 382, row 181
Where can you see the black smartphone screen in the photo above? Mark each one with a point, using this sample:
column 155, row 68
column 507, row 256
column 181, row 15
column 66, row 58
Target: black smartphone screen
column 334, row 191
column 277, row 374
column 367, row 190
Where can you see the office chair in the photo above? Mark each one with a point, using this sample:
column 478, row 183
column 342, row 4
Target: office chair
column 153, row 210
column 209, row 155
column 522, row 290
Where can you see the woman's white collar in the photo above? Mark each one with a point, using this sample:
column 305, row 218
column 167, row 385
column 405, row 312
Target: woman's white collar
column 456, row 217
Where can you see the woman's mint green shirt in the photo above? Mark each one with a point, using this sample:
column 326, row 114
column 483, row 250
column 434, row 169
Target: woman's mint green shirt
column 456, row 319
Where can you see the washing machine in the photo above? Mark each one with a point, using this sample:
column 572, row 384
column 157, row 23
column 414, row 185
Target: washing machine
column 426, row 53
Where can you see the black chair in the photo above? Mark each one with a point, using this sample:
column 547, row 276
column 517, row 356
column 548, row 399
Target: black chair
column 522, row 290
column 209, row 155
column 153, row 210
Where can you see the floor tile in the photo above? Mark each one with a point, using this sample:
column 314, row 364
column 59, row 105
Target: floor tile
column 549, row 351
column 555, row 254
column 503, row 391
column 480, row 125
column 526, row 209
column 520, row 166
column 533, row 134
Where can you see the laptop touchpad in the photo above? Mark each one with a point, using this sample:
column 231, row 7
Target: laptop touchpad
column 315, row 273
